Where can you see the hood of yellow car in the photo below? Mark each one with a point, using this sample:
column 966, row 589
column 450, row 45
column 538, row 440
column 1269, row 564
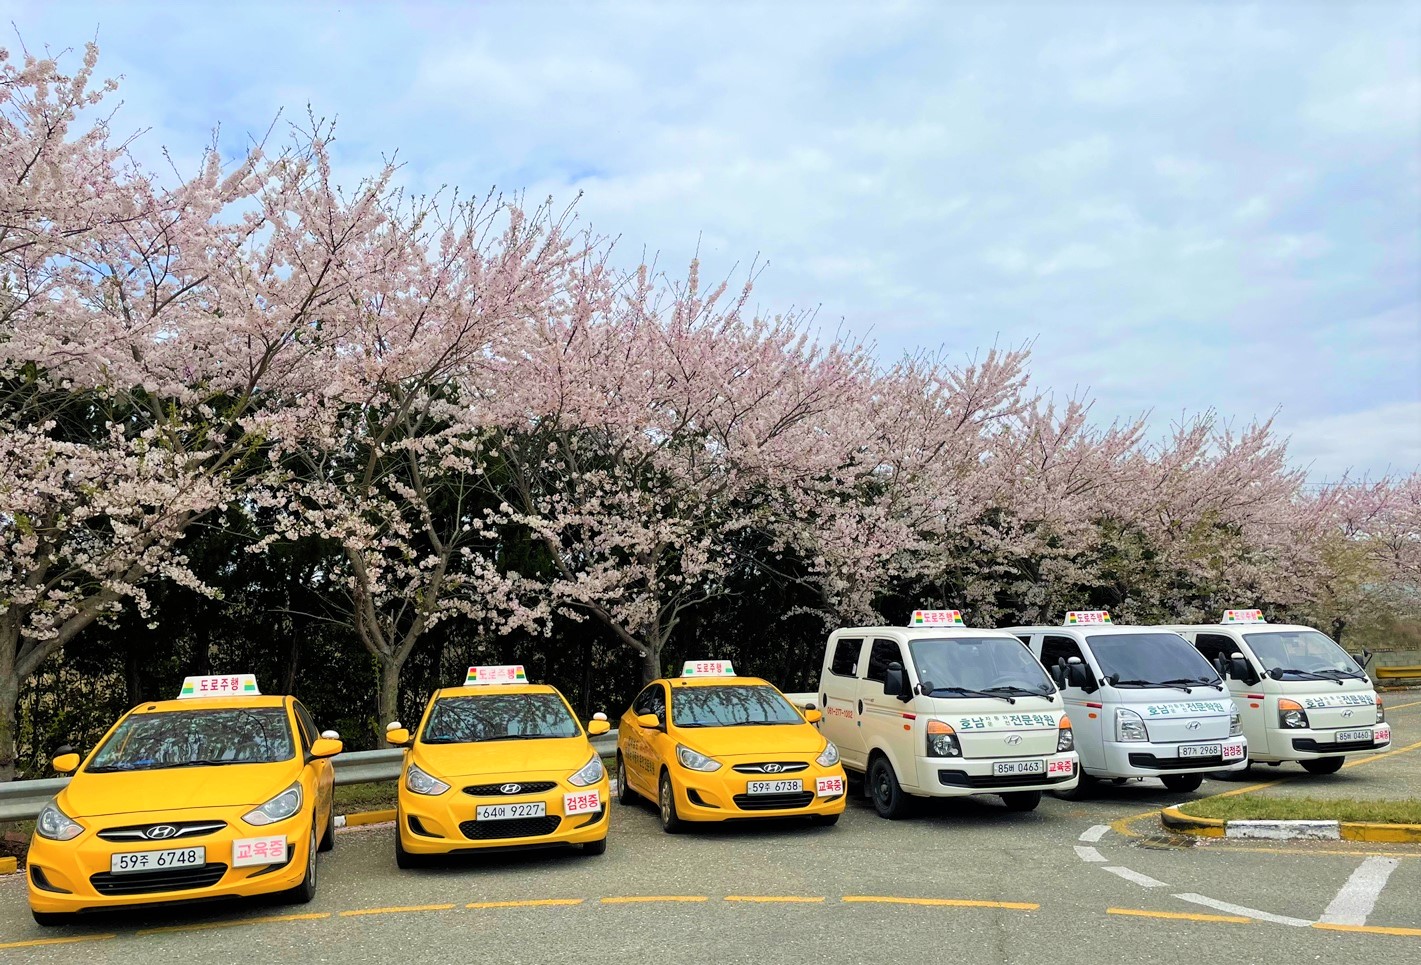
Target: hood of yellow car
column 772, row 739
column 175, row 789
column 499, row 758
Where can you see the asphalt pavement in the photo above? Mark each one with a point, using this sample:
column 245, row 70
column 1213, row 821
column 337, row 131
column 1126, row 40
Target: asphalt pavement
column 1072, row 882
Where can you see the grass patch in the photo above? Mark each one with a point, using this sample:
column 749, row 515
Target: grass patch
column 354, row 798
column 1254, row 807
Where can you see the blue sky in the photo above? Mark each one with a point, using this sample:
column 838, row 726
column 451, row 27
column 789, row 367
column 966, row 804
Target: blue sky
column 1185, row 206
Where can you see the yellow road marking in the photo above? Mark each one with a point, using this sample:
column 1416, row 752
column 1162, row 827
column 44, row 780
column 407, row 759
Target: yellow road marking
column 1326, row 852
column 1369, row 929
column 787, row 899
column 265, row 919
column 1376, row 757
column 531, row 903
column 638, row 899
column 394, row 910
column 35, row 942
column 941, row 902
column 1414, row 703
column 1179, row 915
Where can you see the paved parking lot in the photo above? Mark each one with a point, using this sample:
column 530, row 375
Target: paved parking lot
column 1073, row 881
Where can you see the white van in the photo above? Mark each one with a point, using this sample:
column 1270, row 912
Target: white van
column 940, row 710
column 1144, row 703
column 1301, row 696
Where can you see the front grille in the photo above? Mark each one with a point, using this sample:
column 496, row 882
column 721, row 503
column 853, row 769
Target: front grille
column 773, row 802
column 963, row 779
column 148, row 882
column 1322, row 747
column 515, row 828
column 1175, row 763
column 497, row 790
column 780, row 767
column 184, row 829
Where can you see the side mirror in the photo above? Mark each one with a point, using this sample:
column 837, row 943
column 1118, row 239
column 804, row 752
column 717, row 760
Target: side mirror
column 329, row 747
column 1078, row 674
column 895, row 682
column 596, row 728
column 925, row 687
column 1240, row 670
column 65, row 763
column 650, row 721
column 813, row 716
column 397, row 735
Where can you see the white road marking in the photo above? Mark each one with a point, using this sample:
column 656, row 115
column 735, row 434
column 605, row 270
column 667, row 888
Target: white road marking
column 1135, row 876
column 1089, row 854
column 1359, row 895
column 1245, row 912
column 1096, row 833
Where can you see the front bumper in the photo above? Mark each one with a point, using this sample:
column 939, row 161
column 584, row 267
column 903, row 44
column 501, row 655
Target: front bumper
column 1149, row 759
column 1306, row 744
column 961, row 776
column 723, row 795
column 447, row 823
column 74, row 876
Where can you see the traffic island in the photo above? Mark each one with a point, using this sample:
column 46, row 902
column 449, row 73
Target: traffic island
column 1284, row 819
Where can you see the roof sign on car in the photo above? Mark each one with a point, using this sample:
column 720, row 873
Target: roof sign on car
column 707, row 668
column 1084, row 617
column 1243, row 616
column 936, row 618
column 220, row 685
column 511, row 673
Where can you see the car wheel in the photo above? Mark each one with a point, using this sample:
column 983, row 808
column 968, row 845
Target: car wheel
column 625, row 794
column 1084, row 788
column 51, row 919
column 306, row 890
column 888, row 797
column 1021, row 800
column 595, row 847
column 328, row 840
column 1182, row 783
column 666, row 799
column 825, row 820
column 1323, row 765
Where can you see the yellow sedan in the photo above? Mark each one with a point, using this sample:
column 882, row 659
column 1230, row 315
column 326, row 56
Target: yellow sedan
column 222, row 792
column 499, row 763
column 713, row 746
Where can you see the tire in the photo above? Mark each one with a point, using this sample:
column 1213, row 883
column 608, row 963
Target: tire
column 328, row 840
column 1323, row 765
column 595, row 847
column 671, row 822
column 306, row 890
column 625, row 794
column 403, row 859
column 1021, row 800
column 1182, row 783
column 888, row 798
column 52, row 919
column 825, row 820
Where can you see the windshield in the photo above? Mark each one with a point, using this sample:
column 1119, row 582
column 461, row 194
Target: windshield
column 498, row 717
column 1150, row 660
column 196, row 738
column 1301, row 650
column 732, row 705
column 978, row 665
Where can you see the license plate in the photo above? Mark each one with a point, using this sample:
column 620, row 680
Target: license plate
column 1009, row 768
column 773, row 787
column 828, row 786
column 1201, row 750
column 253, row 851
column 132, row 862
column 510, row 812
column 1347, row 736
column 583, row 802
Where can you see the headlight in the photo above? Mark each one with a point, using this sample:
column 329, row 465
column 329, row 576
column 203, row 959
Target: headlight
column 1235, row 724
column 1066, row 740
column 695, row 761
column 942, row 740
column 1129, row 726
column 279, row 808
column 1291, row 714
column 54, row 824
column 1381, row 712
column 591, row 772
column 829, row 756
column 421, row 783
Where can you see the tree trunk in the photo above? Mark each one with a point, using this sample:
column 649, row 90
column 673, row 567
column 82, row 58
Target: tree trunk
column 388, row 708
column 131, row 679
column 9, row 705
column 650, row 663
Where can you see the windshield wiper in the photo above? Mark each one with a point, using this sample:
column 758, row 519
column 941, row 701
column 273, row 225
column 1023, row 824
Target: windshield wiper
column 1341, row 675
column 197, row 763
column 1022, row 691
column 518, row 737
column 965, row 692
column 1277, row 673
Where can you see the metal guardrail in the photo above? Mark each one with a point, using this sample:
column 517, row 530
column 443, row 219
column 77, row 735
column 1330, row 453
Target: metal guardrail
column 22, row 800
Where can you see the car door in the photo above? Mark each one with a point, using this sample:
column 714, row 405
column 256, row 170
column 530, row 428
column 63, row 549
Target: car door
column 839, row 690
column 882, row 716
column 1217, row 648
column 639, row 754
column 322, row 768
column 1087, row 713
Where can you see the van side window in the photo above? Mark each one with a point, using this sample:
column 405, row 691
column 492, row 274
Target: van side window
column 1053, row 648
column 1025, row 638
column 883, row 653
column 652, row 700
column 1216, row 645
column 846, row 658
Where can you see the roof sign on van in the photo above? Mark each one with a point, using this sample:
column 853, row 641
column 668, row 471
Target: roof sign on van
column 936, row 618
column 503, row 674
column 1084, row 617
column 707, row 668
column 222, row 685
column 1243, row 616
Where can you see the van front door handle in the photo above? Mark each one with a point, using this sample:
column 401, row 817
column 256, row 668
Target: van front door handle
column 860, row 708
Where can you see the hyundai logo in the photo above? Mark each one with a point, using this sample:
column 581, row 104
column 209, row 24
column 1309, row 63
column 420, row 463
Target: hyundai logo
column 771, row 768
column 158, row 832
column 511, row 788
column 1013, row 739
column 1192, row 725
column 1346, row 713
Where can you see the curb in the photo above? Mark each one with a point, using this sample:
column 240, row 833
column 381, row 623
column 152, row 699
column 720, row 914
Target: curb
column 364, row 817
column 1177, row 821
column 9, row 866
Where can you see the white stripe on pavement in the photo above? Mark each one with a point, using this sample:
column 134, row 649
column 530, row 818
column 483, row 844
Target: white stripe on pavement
column 1135, row 876
column 1245, row 912
column 1089, row 854
column 1359, row 895
column 1096, row 833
